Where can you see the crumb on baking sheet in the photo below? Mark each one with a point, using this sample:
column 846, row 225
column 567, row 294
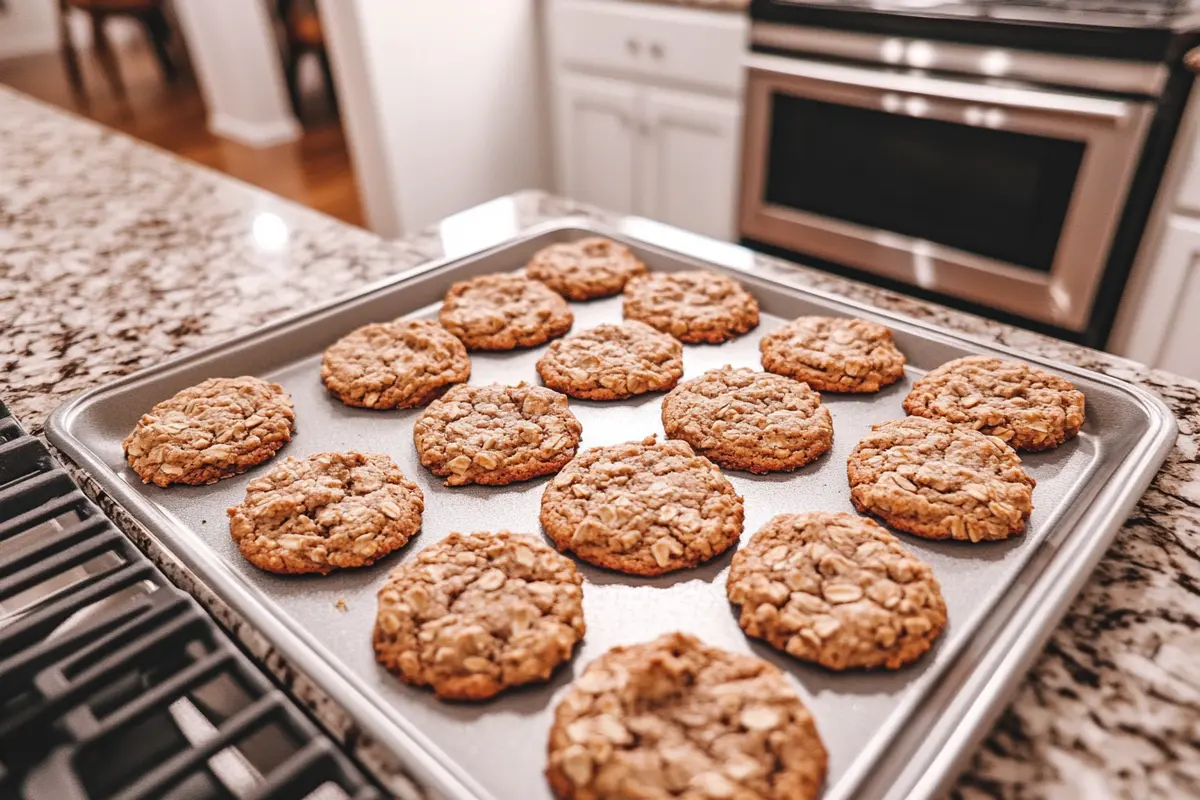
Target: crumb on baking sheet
column 341, row 604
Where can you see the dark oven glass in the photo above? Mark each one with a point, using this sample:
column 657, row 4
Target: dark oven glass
column 992, row 192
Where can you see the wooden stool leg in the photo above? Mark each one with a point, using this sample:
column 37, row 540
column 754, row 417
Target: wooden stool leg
column 69, row 56
column 106, row 57
column 330, row 86
column 159, row 32
column 292, row 76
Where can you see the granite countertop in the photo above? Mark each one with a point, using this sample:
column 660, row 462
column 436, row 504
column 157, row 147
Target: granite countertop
column 115, row 256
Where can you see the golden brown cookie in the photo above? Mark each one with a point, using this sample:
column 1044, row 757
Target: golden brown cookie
column 1026, row 407
column 645, row 507
column 326, row 511
column 398, row 364
column 612, row 362
column 503, row 311
column 675, row 718
column 496, row 434
column 940, row 481
column 210, row 431
column 585, row 269
column 478, row 613
column 754, row 421
column 834, row 354
column 837, row 589
column 694, row 306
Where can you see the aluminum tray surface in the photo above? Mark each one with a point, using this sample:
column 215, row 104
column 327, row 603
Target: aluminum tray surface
column 897, row 734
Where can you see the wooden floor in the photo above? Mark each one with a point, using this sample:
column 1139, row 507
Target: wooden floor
column 314, row 171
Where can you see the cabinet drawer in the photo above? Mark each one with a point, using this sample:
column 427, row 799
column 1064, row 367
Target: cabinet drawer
column 677, row 45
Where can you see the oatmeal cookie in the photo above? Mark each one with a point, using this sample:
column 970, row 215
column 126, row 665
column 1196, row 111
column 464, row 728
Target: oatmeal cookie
column 325, row 511
column 696, row 306
column 477, row 613
column 612, row 362
column 836, row 589
column 213, row 430
column 936, row 480
column 502, row 312
column 645, row 507
column 749, row 420
column 585, row 269
column 675, row 718
column 496, row 434
column 1026, row 407
column 397, row 364
column 834, row 354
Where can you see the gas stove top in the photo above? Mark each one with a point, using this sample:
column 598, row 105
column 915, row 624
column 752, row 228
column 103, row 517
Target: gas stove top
column 1145, row 30
column 1101, row 13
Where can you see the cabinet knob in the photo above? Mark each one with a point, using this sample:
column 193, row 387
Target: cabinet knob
column 657, row 51
column 633, row 46
column 1191, row 59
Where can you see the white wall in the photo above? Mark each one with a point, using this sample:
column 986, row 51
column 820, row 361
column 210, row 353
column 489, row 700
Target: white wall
column 29, row 26
column 443, row 103
column 236, row 59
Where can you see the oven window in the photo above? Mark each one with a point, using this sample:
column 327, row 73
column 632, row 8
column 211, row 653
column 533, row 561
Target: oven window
column 992, row 192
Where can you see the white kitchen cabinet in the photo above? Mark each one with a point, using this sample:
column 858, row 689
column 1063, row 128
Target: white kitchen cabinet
column 648, row 109
column 690, row 47
column 1159, row 319
column 1180, row 353
column 688, row 170
column 598, row 141
column 1174, row 297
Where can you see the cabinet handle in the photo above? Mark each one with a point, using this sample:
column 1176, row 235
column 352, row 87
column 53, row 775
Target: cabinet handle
column 633, row 46
column 657, row 51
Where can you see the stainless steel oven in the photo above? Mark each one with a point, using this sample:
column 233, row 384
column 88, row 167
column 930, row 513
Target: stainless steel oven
column 994, row 176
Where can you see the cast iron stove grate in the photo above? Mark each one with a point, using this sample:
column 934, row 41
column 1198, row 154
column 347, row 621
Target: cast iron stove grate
column 115, row 684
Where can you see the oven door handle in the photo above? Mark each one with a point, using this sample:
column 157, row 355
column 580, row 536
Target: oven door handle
column 907, row 83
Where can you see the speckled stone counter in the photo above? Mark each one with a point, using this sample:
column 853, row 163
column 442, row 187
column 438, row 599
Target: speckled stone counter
column 115, row 256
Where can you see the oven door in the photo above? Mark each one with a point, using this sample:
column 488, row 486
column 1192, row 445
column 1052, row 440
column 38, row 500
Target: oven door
column 1001, row 195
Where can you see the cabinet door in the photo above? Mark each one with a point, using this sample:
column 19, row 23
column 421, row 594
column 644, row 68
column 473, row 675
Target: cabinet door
column 1171, row 312
column 689, row 168
column 595, row 141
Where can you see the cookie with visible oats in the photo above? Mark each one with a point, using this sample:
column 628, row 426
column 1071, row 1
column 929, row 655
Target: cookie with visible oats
column 1025, row 406
column 675, row 718
column 585, row 269
column 646, row 508
column 478, row 613
column 496, row 434
column 834, row 354
column 836, row 589
column 612, row 362
column 503, row 312
column 748, row 420
column 693, row 306
column 326, row 511
column 940, row 481
column 398, row 364
column 213, row 430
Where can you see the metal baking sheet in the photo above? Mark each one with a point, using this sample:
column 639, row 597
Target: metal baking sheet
column 898, row 734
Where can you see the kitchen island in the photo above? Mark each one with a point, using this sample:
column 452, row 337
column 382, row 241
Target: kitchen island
column 115, row 256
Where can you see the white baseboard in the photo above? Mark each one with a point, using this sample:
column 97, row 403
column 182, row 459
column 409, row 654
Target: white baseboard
column 254, row 134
